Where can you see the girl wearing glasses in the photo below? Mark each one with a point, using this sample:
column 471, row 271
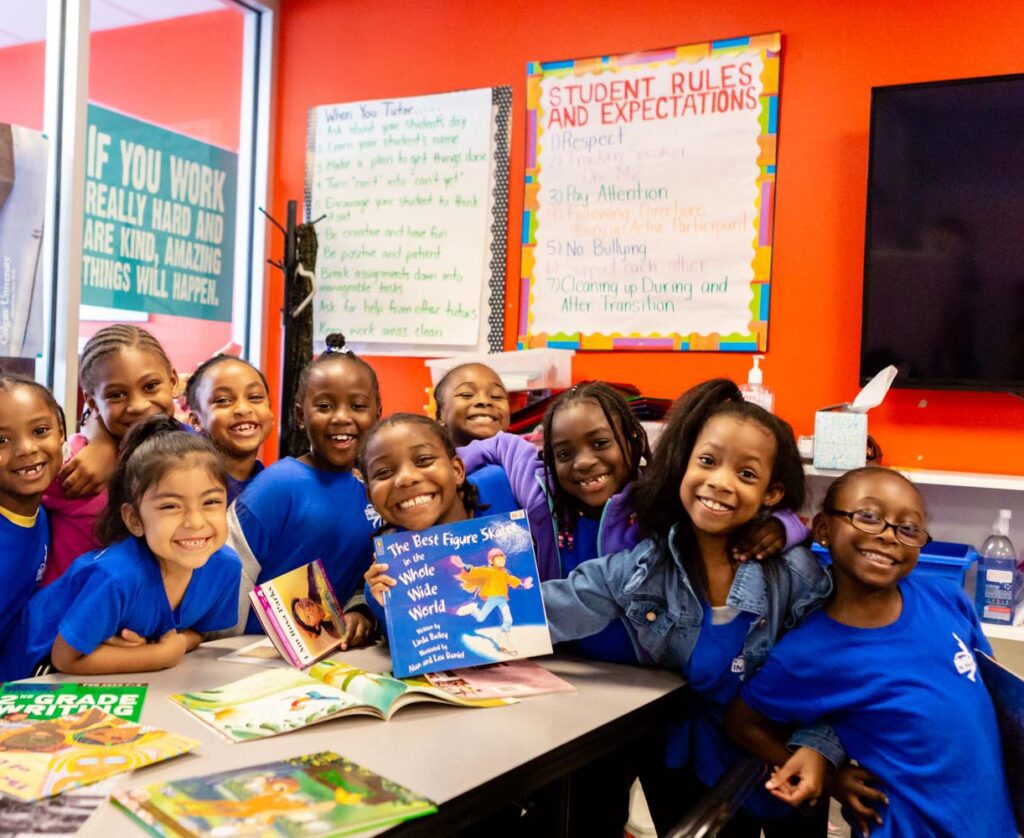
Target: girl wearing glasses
column 889, row 661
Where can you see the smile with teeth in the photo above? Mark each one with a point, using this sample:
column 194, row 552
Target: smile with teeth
column 878, row 558
column 192, row 543
column 481, row 417
column 30, row 471
column 591, row 484
column 342, row 439
column 245, row 427
column 714, row 505
column 419, row 500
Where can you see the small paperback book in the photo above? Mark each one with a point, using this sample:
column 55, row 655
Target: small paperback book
column 321, row 795
column 21, row 700
column 300, row 614
column 282, row 700
column 509, row 679
column 1007, row 691
column 41, row 759
column 466, row 594
column 63, row 815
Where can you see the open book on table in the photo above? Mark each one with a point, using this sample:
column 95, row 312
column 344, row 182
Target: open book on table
column 281, row 700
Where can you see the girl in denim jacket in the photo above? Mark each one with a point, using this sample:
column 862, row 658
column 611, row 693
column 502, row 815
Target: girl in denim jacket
column 722, row 466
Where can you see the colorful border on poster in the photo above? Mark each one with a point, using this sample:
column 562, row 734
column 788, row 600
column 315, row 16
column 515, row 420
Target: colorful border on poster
column 769, row 46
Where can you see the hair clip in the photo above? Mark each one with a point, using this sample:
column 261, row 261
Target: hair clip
column 565, row 540
column 337, row 350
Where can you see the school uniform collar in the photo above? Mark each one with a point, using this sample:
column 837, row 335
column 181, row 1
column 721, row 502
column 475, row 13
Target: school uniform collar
column 24, row 521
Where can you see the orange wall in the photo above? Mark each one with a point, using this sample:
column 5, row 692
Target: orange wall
column 833, row 54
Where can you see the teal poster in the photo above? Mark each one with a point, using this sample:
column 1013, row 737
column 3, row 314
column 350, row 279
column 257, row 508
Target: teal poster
column 159, row 226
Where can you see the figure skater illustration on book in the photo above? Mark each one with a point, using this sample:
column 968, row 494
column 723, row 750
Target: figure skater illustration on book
column 490, row 584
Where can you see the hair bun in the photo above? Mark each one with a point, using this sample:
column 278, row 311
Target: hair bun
column 335, row 342
column 148, row 428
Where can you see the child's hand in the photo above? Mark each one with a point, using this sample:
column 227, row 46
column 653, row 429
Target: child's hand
column 126, row 639
column 527, row 583
column 378, row 582
column 88, row 471
column 801, row 779
column 357, row 630
column 857, row 790
column 171, row 648
column 767, row 540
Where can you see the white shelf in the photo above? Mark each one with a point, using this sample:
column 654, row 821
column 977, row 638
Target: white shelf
column 968, row 479
column 1003, row 632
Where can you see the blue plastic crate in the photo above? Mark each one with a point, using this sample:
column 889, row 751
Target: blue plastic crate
column 940, row 558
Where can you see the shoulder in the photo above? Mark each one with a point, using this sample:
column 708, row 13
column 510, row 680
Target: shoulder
column 943, row 593
column 123, row 563
column 223, row 564
column 275, row 480
column 805, row 568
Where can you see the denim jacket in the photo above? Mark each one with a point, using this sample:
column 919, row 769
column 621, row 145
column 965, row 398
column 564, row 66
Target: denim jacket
column 654, row 593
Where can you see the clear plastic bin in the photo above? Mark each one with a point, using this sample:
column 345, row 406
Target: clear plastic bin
column 524, row 369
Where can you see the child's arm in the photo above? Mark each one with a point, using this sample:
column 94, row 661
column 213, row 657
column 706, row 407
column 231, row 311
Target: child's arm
column 796, row 778
column 108, row 659
column 781, row 531
column 589, row 598
column 87, row 472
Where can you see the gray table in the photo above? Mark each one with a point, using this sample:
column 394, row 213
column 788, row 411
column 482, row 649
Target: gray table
column 469, row 761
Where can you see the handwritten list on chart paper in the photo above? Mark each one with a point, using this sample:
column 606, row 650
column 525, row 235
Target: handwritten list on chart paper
column 648, row 199
column 404, row 186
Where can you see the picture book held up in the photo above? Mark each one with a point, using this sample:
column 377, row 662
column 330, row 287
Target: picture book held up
column 466, row 595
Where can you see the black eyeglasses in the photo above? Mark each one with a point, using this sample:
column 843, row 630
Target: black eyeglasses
column 867, row 521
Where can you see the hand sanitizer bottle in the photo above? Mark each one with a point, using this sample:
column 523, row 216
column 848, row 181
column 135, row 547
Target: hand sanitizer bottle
column 998, row 582
column 754, row 390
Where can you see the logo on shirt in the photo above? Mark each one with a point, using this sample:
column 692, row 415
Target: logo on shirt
column 964, row 661
column 372, row 515
column 737, row 664
column 42, row 565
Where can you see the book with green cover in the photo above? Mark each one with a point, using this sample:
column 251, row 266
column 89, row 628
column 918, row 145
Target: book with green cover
column 281, row 700
column 322, row 795
column 33, row 700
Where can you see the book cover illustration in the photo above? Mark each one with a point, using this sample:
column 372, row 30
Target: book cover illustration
column 1007, row 691
column 465, row 595
column 281, row 700
column 41, row 759
column 20, row 700
column 300, row 614
column 64, row 815
column 509, row 679
column 321, row 795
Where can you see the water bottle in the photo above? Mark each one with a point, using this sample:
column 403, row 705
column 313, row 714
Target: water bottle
column 997, row 574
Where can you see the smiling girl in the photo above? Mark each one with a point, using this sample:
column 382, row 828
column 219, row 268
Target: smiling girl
column 472, row 403
column 166, row 574
column 229, row 402
column 314, row 506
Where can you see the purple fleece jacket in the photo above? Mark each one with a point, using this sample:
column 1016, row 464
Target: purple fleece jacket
column 618, row 528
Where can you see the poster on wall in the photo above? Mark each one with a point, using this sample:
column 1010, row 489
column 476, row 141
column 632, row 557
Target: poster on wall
column 414, row 198
column 24, row 154
column 159, row 226
column 649, row 197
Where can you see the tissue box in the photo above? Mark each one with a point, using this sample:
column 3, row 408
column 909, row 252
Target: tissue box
column 840, row 439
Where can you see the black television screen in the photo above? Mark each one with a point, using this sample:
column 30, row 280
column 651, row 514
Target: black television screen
column 944, row 251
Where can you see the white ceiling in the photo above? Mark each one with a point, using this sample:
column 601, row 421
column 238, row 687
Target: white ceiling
column 24, row 21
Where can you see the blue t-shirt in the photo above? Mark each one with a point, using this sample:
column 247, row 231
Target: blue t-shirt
column 908, row 703
column 613, row 643
column 23, row 545
column 120, row 587
column 292, row 514
column 236, row 487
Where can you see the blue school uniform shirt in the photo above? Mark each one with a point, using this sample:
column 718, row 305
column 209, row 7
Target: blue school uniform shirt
column 713, row 678
column 23, row 545
column 236, row 487
column 292, row 514
column 908, row 703
column 120, row 587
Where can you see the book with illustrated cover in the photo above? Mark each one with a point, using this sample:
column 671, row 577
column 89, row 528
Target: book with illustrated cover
column 43, row 758
column 300, row 614
column 467, row 594
column 322, row 795
column 63, row 815
column 509, row 679
column 21, row 700
column 282, row 700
